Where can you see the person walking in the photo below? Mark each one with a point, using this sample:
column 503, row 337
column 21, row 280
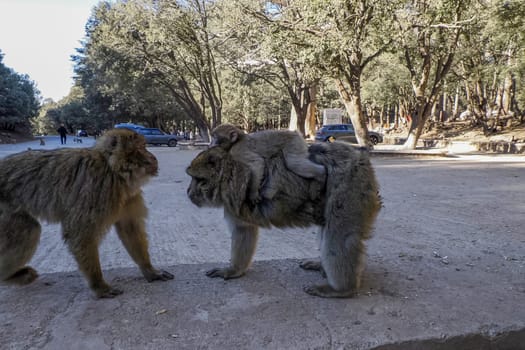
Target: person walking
column 63, row 134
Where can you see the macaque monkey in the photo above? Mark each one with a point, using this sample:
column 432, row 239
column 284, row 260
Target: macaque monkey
column 345, row 208
column 87, row 190
column 257, row 148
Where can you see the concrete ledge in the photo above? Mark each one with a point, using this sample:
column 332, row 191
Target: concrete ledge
column 500, row 147
column 505, row 147
column 411, row 153
column 506, row 340
column 398, row 308
column 193, row 145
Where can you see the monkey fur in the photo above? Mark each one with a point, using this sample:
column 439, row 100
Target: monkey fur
column 345, row 207
column 258, row 148
column 87, row 190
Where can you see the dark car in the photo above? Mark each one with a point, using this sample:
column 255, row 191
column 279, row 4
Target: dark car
column 129, row 126
column 153, row 136
column 344, row 132
column 82, row 133
column 156, row 136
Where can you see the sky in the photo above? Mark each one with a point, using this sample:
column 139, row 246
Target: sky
column 37, row 38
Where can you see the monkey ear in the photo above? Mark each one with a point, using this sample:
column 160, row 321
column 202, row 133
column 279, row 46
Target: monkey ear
column 234, row 136
column 107, row 143
column 212, row 161
column 113, row 142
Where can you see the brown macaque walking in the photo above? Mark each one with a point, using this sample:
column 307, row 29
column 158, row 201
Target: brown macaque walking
column 87, row 190
column 345, row 207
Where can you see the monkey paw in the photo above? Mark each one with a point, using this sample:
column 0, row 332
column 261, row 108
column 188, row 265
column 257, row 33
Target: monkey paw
column 226, row 273
column 23, row 276
column 325, row 291
column 313, row 265
column 108, row 292
column 158, row 275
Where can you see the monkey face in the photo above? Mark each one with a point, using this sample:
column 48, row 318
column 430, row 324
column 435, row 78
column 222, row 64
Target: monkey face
column 206, row 171
column 144, row 157
column 127, row 156
column 225, row 136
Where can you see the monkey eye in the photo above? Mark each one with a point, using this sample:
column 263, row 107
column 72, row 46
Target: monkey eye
column 213, row 161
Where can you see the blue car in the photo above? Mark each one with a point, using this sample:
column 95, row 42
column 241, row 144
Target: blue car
column 344, row 132
column 82, row 133
column 153, row 136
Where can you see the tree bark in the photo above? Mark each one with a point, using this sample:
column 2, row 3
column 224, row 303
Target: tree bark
column 311, row 112
column 352, row 101
column 293, row 120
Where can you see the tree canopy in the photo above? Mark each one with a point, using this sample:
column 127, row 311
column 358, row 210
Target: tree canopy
column 19, row 98
column 194, row 64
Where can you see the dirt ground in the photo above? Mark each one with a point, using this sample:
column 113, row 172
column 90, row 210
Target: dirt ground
column 463, row 131
column 447, row 260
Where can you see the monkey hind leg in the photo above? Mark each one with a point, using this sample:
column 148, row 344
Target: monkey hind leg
column 342, row 261
column 302, row 166
column 25, row 275
column 19, row 237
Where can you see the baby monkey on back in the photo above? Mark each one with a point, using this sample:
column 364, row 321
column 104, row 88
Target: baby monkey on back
column 255, row 149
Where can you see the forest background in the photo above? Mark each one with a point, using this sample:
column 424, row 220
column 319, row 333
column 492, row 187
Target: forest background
column 401, row 67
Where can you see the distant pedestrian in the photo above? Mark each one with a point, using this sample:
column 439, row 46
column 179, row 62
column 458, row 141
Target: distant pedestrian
column 63, row 134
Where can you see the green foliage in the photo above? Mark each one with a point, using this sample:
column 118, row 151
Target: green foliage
column 44, row 123
column 152, row 61
column 253, row 104
column 491, row 61
column 386, row 81
column 262, row 47
column 186, row 63
column 19, row 98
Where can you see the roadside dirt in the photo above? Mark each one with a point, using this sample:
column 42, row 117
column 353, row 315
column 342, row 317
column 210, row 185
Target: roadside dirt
column 463, row 131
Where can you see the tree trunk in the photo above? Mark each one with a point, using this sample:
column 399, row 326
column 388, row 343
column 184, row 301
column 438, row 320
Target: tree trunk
column 293, row 120
column 301, row 110
column 506, row 102
column 456, row 103
column 396, row 117
column 381, row 121
column 352, row 101
column 300, row 96
column 311, row 112
column 444, row 104
column 418, row 123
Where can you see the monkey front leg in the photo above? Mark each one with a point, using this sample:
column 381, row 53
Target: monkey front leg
column 85, row 250
column 244, row 242
column 132, row 232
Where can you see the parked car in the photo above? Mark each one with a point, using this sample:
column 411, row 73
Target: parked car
column 153, row 136
column 344, row 132
column 129, row 126
column 82, row 133
column 156, row 136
